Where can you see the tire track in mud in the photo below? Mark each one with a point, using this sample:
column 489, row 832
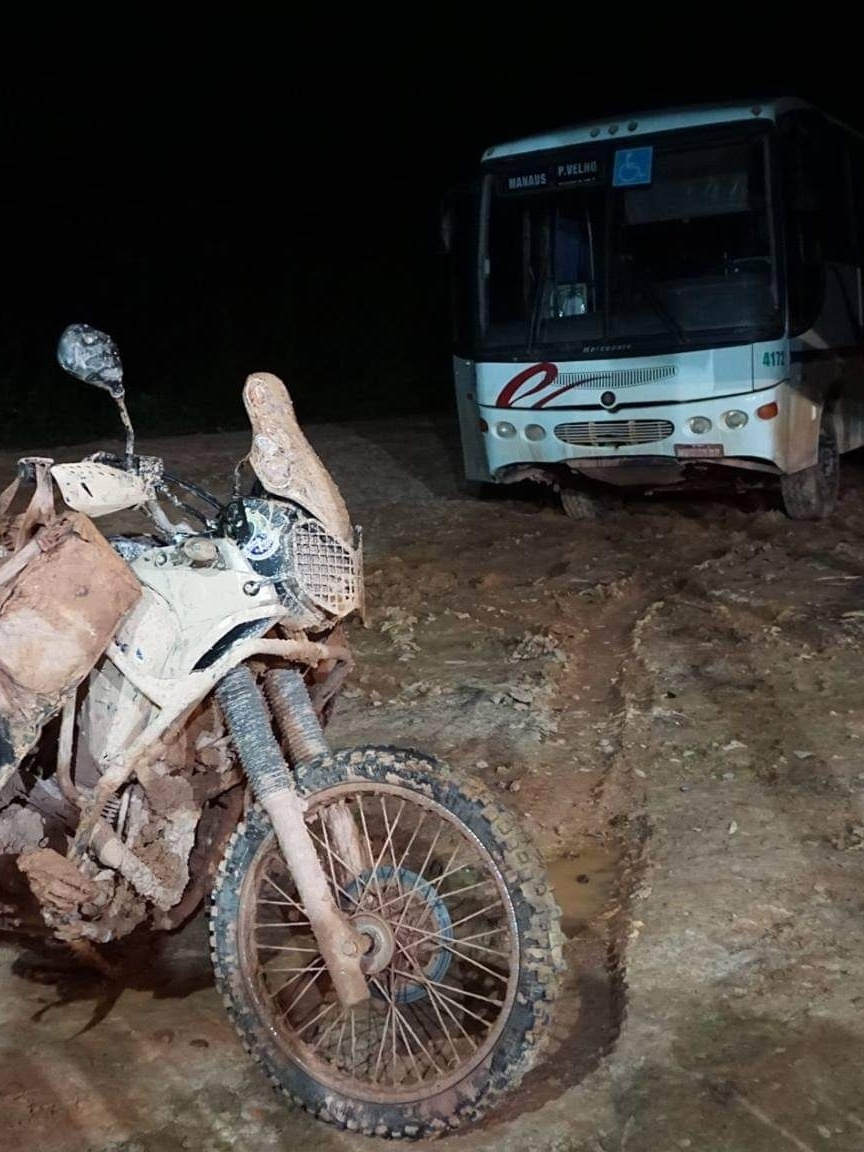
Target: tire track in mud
column 709, row 665
column 593, row 1005
column 591, row 1009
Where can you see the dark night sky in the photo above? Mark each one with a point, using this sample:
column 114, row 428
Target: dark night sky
column 263, row 198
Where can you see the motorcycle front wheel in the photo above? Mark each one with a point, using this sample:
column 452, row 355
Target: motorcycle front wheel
column 464, row 957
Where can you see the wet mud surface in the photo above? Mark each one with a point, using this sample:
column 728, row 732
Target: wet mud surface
column 670, row 696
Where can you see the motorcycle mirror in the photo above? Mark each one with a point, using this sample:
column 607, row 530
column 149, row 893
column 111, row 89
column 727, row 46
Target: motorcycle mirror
column 91, row 356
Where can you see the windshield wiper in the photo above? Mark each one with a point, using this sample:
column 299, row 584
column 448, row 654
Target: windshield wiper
column 537, row 304
column 660, row 308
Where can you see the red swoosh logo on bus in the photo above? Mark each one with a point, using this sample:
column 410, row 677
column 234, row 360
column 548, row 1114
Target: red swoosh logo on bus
column 547, row 374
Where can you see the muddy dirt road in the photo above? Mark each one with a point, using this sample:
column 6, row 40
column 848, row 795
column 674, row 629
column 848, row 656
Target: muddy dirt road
column 671, row 696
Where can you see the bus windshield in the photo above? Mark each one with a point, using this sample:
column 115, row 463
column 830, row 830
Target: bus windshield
column 579, row 251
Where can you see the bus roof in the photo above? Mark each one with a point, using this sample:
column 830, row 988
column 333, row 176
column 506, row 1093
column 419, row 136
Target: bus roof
column 663, row 120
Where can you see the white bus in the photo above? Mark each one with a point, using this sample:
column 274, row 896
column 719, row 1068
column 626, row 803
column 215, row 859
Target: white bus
column 640, row 300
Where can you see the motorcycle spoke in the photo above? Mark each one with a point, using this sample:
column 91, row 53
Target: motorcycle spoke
column 463, row 942
column 297, row 924
column 429, row 890
column 435, row 997
column 419, row 879
column 444, row 942
column 440, row 1019
column 330, row 854
column 342, row 1016
column 447, row 941
column 302, row 991
column 293, row 980
column 300, row 971
column 419, row 1042
column 333, row 855
column 393, row 1034
column 373, row 876
column 345, row 1016
column 464, row 919
column 448, row 944
column 428, row 981
column 409, row 846
column 319, row 1016
column 459, row 891
column 433, row 988
column 390, row 832
column 283, row 893
column 461, row 1007
column 434, row 886
column 381, row 1045
column 418, row 1076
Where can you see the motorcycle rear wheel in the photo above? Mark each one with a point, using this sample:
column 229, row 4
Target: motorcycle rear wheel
column 465, row 956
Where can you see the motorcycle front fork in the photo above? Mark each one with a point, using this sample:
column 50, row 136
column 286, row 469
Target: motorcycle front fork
column 248, row 718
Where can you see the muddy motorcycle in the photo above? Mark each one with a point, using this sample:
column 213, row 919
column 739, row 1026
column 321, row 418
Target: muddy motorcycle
column 382, row 931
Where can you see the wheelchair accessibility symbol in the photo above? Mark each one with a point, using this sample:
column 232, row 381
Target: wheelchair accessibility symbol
column 632, row 167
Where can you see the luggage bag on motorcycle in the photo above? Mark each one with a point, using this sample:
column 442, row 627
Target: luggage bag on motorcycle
column 63, row 593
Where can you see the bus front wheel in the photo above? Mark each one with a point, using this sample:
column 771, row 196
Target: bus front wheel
column 589, row 504
column 812, row 493
column 579, row 505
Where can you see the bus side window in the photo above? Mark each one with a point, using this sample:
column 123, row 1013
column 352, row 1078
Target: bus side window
column 820, row 226
column 803, row 225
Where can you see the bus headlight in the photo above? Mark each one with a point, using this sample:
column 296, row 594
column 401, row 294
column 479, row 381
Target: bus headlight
column 534, row 432
column 505, row 429
column 699, row 425
column 735, row 419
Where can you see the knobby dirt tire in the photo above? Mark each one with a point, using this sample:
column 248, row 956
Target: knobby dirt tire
column 536, row 976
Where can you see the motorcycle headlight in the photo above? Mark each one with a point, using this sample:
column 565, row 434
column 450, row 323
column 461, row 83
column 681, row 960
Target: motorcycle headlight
column 330, row 574
column 312, row 569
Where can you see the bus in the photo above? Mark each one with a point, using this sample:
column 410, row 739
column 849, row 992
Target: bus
column 643, row 300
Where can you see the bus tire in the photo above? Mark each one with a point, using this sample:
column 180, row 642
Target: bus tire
column 812, row 493
column 579, row 505
column 589, row 504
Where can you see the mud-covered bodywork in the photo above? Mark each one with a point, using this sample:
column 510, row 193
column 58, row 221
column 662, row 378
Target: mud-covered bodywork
column 63, row 593
column 284, row 460
column 119, row 782
column 325, row 548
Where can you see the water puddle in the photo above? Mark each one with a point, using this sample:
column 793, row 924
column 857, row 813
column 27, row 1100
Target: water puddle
column 583, row 882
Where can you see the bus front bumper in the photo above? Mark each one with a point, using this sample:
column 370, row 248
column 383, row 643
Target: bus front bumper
column 747, row 430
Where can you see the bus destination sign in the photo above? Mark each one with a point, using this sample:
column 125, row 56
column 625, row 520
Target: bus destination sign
column 587, row 168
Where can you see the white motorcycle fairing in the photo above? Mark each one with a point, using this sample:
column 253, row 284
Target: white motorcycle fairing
column 99, row 489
